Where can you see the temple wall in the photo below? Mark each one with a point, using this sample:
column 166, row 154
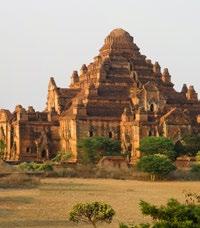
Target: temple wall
column 176, row 132
column 68, row 136
column 72, row 131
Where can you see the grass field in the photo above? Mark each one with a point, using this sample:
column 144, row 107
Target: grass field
column 49, row 204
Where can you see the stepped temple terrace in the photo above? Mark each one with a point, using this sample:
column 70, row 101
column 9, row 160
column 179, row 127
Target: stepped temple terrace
column 121, row 95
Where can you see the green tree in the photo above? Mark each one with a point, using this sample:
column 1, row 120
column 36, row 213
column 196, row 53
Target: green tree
column 157, row 145
column 189, row 145
column 157, row 165
column 92, row 149
column 196, row 169
column 2, row 148
column 173, row 215
column 92, row 213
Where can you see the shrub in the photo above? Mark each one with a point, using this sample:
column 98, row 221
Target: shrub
column 92, row 149
column 46, row 167
column 195, row 168
column 183, row 175
column 92, row 213
column 190, row 144
column 35, row 167
column 62, row 156
column 198, row 157
column 157, row 165
column 157, row 145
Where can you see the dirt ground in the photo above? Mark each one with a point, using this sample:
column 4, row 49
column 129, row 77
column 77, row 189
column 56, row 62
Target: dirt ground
column 49, row 205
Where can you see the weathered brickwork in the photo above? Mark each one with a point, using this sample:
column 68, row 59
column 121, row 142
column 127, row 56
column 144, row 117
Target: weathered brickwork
column 121, row 95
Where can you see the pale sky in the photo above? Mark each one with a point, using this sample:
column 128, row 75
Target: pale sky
column 44, row 38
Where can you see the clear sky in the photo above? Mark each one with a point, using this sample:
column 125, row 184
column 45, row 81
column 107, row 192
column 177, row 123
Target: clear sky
column 44, row 38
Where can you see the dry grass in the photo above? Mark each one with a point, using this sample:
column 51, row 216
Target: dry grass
column 49, row 205
column 18, row 180
column 5, row 168
column 88, row 171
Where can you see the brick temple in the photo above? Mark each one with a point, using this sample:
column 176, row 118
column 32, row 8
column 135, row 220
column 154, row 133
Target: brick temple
column 121, row 95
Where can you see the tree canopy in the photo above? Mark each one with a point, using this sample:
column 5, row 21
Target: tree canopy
column 157, row 165
column 172, row 215
column 189, row 145
column 92, row 149
column 157, row 145
column 92, row 213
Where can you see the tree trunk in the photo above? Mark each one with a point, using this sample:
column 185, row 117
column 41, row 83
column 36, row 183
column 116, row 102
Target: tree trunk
column 153, row 177
column 94, row 225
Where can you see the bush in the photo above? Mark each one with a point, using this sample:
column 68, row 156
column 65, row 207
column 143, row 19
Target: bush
column 62, row 156
column 35, row 167
column 190, row 145
column 198, row 157
column 157, row 145
column 19, row 181
column 91, row 150
column 183, row 175
column 157, row 165
column 195, row 168
column 92, row 213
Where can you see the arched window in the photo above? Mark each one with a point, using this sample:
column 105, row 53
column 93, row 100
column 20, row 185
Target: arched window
column 152, row 108
column 44, row 154
column 130, row 67
column 110, row 134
